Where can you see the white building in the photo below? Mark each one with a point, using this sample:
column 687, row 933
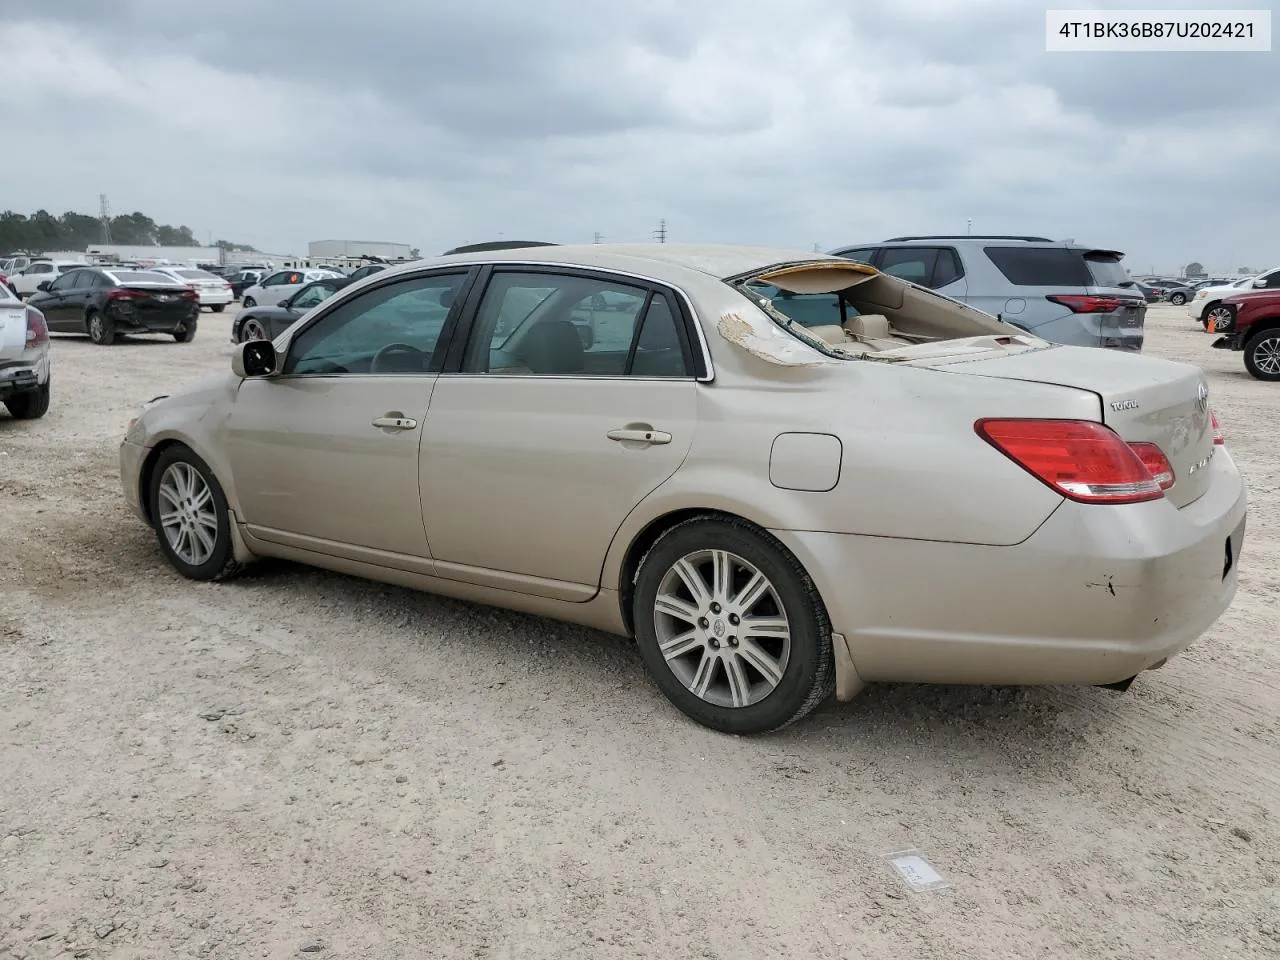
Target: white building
column 119, row 251
column 349, row 249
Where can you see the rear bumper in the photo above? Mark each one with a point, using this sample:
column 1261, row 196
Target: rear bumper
column 154, row 321
column 212, row 298
column 27, row 374
column 1096, row 595
column 1230, row 341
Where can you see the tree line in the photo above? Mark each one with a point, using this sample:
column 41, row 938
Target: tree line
column 42, row 232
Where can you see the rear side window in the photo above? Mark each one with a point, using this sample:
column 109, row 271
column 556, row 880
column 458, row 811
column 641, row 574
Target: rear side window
column 1041, row 266
column 1106, row 270
column 947, row 269
column 860, row 254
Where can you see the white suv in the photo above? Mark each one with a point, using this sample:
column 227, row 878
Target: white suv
column 24, row 358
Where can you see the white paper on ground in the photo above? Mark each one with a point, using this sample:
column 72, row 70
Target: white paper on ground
column 914, row 870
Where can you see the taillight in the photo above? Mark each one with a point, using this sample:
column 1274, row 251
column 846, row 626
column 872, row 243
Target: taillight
column 1083, row 303
column 190, row 294
column 37, row 329
column 1082, row 460
column 1156, row 462
column 122, row 294
column 1218, row 439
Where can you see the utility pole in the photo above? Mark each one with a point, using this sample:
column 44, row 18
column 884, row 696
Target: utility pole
column 596, row 237
column 661, row 232
column 968, row 227
column 104, row 217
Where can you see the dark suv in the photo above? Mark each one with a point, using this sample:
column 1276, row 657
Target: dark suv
column 1058, row 290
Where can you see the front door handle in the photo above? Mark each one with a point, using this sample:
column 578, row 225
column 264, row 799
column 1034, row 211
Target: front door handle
column 640, row 436
column 395, row 423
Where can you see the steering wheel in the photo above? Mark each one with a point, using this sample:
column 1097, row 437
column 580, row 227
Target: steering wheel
column 397, row 350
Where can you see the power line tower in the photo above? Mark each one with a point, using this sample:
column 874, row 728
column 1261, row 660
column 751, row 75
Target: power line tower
column 597, row 237
column 661, row 232
column 104, row 217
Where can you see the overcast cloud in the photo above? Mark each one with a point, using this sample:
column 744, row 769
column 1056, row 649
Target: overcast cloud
column 790, row 122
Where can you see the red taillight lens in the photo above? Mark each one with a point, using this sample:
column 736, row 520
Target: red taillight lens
column 1156, row 462
column 121, row 294
column 190, row 294
column 1082, row 460
column 1218, row 438
column 37, row 329
column 1087, row 304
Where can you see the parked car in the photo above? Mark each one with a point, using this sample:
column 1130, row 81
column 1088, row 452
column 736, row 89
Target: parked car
column 1060, row 291
column 920, row 493
column 4, row 282
column 27, row 280
column 1205, row 306
column 213, row 291
column 367, row 270
column 243, row 280
column 24, row 358
column 283, row 284
column 1149, row 293
column 13, row 265
column 106, row 304
column 1253, row 327
column 267, row 323
column 1178, row 294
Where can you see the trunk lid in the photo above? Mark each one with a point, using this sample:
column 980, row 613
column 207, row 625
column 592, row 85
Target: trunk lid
column 13, row 329
column 1143, row 399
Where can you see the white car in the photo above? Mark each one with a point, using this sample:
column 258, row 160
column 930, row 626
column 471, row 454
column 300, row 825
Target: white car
column 214, row 291
column 283, row 284
column 24, row 358
column 1206, row 305
column 27, row 281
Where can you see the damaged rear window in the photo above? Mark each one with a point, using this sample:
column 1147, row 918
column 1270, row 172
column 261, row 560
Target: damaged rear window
column 806, row 309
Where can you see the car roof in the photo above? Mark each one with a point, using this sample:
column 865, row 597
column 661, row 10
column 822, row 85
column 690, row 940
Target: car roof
column 664, row 261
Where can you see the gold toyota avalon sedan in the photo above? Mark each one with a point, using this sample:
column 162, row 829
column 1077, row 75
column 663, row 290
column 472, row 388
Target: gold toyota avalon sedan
column 784, row 474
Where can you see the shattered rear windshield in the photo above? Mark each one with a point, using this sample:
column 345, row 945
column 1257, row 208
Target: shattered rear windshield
column 806, row 309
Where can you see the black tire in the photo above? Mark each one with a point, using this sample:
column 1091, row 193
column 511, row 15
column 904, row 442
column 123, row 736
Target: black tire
column 30, row 404
column 221, row 564
column 187, row 332
column 1178, row 299
column 248, row 302
column 100, row 329
column 218, row 307
column 1262, row 355
column 809, row 675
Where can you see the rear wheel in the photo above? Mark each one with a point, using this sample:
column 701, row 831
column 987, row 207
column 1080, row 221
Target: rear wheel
column 1178, row 299
column 30, row 404
column 1217, row 318
column 731, row 628
column 218, row 307
column 101, row 330
column 190, row 516
column 1262, row 355
column 187, row 332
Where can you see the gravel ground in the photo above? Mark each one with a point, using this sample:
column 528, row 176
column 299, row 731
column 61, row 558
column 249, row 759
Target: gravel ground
column 301, row 764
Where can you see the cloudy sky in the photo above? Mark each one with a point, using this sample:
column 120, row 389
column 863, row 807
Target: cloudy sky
column 788, row 122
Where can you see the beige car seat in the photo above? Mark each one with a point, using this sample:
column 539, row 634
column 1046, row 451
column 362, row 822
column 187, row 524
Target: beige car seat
column 873, row 330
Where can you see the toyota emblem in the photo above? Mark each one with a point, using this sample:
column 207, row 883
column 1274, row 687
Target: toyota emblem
column 1202, row 397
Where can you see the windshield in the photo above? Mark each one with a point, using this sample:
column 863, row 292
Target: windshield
column 806, row 309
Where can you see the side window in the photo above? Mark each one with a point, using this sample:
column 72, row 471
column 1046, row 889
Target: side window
column 390, row 330
column 40, row 268
column 275, row 280
column 910, row 263
column 537, row 324
column 313, row 296
column 64, row 282
column 85, row 279
column 861, row 254
column 1273, row 280
column 947, row 269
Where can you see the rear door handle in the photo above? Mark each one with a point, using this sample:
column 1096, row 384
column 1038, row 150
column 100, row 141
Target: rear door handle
column 640, row 436
column 395, row 423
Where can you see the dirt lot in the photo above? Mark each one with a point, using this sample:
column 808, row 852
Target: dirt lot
column 297, row 759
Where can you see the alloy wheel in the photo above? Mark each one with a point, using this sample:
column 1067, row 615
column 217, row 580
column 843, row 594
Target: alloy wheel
column 252, row 330
column 187, row 514
column 1219, row 319
column 722, row 628
column 1266, row 355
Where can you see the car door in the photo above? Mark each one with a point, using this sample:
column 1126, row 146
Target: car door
column 573, row 399
column 325, row 455
column 54, row 303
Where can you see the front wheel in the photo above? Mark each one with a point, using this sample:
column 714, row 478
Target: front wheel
column 218, row 307
column 1262, row 355
column 248, row 302
column 30, row 404
column 101, row 330
column 189, row 514
column 1217, row 319
column 731, row 628
column 252, row 329
column 1178, row 299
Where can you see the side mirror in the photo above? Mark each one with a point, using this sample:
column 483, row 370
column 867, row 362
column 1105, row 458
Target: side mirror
column 254, row 358
column 42, row 285
column 1260, row 282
